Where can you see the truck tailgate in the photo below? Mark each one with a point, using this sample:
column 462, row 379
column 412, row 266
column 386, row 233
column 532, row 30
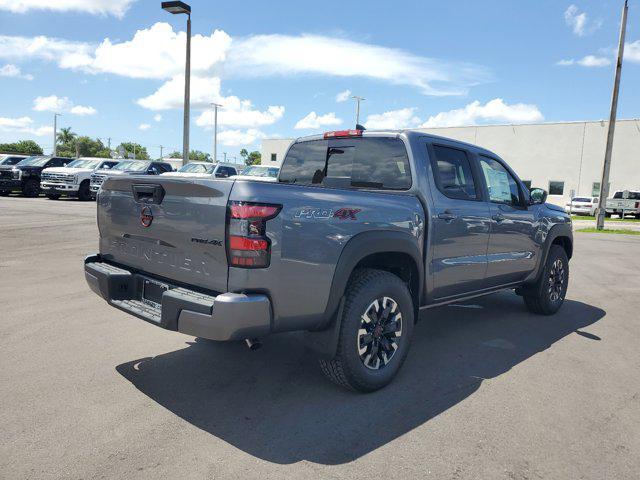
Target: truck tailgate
column 168, row 227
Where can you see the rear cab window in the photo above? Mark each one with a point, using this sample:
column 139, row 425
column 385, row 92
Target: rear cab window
column 365, row 162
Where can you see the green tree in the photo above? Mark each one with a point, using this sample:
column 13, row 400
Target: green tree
column 25, row 147
column 66, row 136
column 140, row 151
column 251, row 158
column 175, row 154
column 198, row 156
column 83, row 146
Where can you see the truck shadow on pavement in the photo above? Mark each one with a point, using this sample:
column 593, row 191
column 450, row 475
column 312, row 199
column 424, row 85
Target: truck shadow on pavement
column 275, row 404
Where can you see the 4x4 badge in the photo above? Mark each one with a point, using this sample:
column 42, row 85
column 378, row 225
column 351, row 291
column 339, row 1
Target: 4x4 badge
column 146, row 217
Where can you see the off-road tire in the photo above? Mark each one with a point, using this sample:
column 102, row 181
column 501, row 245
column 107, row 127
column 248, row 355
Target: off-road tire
column 31, row 188
column 346, row 368
column 84, row 193
column 540, row 299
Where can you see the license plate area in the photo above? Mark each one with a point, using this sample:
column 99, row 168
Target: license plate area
column 152, row 292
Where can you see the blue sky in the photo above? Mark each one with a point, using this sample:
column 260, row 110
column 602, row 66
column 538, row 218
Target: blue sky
column 114, row 67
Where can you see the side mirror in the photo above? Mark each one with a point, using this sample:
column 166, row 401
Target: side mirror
column 537, row 196
column 222, row 175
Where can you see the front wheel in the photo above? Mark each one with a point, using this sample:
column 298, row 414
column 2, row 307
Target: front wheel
column 84, row 193
column 375, row 332
column 547, row 296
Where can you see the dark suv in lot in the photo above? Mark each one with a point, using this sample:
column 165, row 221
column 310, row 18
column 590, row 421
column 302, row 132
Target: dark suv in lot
column 127, row 167
column 25, row 175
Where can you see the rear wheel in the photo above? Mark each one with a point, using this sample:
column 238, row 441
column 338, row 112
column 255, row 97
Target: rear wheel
column 547, row 296
column 375, row 332
column 84, row 193
column 31, row 188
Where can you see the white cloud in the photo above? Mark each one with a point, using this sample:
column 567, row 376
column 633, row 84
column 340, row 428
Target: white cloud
column 95, row 7
column 237, row 138
column 495, row 110
column 82, row 110
column 632, row 51
column 587, row 61
column 576, row 20
column 235, row 112
column 314, row 121
column 157, row 117
column 23, row 125
column 343, row 96
column 10, row 70
column 53, row 103
column 144, row 126
column 393, row 119
column 270, row 55
column 158, row 52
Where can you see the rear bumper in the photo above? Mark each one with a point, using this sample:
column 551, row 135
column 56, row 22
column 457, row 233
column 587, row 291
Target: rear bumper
column 228, row 316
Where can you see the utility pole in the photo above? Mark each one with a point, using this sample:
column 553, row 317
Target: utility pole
column 109, row 143
column 604, row 183
column 55, row 133
column 358, row 100
column 225, row 156
column 161, row 148
column 215, row 130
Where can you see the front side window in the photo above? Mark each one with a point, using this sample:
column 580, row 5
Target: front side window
column 452, row 172
column 374, row 162
column 501, row 185
column 556, row 188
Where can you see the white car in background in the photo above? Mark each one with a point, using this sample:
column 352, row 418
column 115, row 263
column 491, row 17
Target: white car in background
column 262, row 173
column 74, row 179
column 582, row 206
column 204, row 169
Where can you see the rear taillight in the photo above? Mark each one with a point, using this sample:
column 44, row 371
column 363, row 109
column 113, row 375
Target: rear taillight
column 637, row 204
column 247, row 242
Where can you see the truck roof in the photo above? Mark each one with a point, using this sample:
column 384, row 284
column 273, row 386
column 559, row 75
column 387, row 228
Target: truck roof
column 409, row 133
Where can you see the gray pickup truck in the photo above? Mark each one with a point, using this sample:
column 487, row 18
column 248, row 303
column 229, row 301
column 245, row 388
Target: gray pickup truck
column 362, row 233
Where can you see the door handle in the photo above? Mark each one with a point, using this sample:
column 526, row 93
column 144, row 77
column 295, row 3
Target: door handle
column 447, row 216
column 498, row 217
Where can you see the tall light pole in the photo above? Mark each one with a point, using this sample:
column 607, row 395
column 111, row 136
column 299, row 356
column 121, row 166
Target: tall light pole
column 358, row 100
column 55, row 133
column 178, row 8
column 215, row 130
column 604, row 183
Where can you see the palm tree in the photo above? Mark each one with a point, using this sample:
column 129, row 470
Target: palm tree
column 66, row 136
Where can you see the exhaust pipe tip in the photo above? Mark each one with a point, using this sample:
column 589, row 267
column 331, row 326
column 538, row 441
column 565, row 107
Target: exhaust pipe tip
column 253, row 343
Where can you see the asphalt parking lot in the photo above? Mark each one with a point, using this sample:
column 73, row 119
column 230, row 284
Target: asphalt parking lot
column 488, row 390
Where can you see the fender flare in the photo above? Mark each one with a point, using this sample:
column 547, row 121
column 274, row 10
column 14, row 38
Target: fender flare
column 559, row 230
column 324, row 339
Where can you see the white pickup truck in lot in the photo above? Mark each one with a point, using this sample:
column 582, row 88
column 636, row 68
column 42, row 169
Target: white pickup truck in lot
column 74, row 179
column 623, row 203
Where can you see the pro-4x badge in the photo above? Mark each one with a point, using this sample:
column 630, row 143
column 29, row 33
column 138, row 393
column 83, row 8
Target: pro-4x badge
column 146, row 217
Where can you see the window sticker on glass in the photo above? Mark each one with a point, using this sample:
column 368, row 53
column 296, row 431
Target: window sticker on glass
column 498, row 184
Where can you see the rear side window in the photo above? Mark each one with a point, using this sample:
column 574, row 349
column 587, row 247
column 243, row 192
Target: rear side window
column 452, row 172
column 378, row 163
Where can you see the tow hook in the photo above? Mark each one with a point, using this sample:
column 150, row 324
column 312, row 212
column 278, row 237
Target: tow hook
column 253, row 343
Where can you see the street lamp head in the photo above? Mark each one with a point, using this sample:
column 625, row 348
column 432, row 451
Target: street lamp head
column 176, row 7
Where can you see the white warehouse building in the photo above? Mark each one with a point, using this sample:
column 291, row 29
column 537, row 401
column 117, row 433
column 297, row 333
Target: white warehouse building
column 563, row 158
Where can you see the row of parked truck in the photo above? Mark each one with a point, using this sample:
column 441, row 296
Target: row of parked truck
column 82, row 177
